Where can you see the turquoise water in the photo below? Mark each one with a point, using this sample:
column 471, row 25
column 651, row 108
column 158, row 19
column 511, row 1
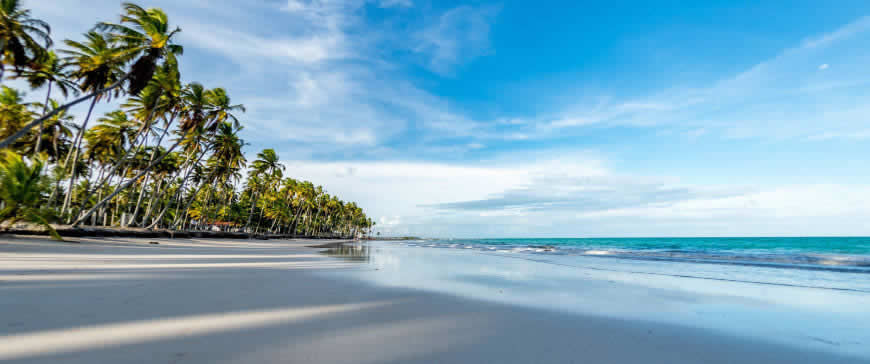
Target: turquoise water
column 850, row 254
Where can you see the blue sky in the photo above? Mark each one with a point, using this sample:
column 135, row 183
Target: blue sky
column 558, row 118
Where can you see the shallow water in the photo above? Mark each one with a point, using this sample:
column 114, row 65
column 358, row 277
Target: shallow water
column 819, row 253
column 824, row 309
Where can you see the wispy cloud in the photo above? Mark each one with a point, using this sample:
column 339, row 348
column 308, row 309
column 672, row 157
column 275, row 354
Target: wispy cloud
column 754, row 103
column 246, row 48
column 593, row 193
column 340, row 90
column 395, row 3
column 854, row 28
column 456, row 36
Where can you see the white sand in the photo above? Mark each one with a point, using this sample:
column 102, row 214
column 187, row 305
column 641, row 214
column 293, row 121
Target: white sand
column 206, row 301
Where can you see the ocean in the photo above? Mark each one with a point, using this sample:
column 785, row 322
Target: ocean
column 849, row 254
column 837, row 263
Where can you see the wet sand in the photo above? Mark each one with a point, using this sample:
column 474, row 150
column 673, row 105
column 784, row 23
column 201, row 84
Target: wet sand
column 114, row 300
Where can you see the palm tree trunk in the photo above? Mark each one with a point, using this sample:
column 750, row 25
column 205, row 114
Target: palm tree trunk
column 272, row 228
column 53, row 196
column 75, row 156
column 253, row 203
column 122, row 160
column 159, row 217
column 99, row 193
column 295, row 218
column 179, row 193
column 186, row 207
column 139, row 200
column 42, row 123
column 153, row 154
column 158, row 200
column 211, row 192
column 313, row 222
column 151, row 201
column 130, row 182
column 259, row 220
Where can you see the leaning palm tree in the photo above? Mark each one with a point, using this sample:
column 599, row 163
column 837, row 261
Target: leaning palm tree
column 185, row 128
column 266, row 164
column 97, row 64
column 23, row 39
column 142, row 33
column 48, row 71
column 146, row 34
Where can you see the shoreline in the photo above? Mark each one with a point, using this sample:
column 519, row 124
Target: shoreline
column 132, row 232
column 213, row 300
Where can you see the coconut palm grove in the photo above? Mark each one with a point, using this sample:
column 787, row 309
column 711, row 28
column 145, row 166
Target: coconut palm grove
column 169, row 158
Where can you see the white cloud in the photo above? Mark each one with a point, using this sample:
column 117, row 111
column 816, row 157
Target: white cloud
column 387, row 222
column 659, row 210
column 561, row 193
column 339, row 90
column 849, row 30
column 823, row 66
column 853, row 134
column 458, row 35
column 395, row 3
column 399, row 191
column 572, row 121
column 244, row 47
column 784, row 202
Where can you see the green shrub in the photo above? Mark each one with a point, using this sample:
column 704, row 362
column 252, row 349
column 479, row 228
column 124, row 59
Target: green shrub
column 22, row 187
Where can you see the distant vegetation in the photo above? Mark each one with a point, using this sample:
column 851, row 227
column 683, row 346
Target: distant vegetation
column 170, row 157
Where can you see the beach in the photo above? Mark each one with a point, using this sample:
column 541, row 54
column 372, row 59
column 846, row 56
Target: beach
column 130, row 300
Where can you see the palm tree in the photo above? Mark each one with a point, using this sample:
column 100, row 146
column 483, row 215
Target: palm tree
column 48, row 71
column 266, row 163
column 98, row 64
column 23, row 39
column 145, row 34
